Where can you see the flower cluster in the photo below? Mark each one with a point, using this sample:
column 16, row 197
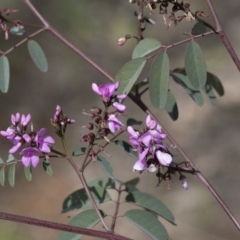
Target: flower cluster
column 60, row 121
column 18, row 136
column 107, row 92
column 17, row 27
column 149, row 145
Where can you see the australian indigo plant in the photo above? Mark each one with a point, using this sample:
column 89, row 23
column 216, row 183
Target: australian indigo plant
column 149, row 144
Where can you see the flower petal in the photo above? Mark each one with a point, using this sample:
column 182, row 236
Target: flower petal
column 96, row 89
column 35, row 161
column 164, row 158
column 120, row 107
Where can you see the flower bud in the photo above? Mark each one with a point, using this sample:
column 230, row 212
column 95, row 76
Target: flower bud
column 121, row 41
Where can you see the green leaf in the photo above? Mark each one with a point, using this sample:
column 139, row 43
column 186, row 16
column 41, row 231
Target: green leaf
column 1, row 161
column 80, row 151
column 2, row 176
column 37, row 55
column 146, row 46
column 215, row 83
column 151, row 203
column 106, row 166
column 158, row 81
column 4, row 74
column 131, row 184
column 28, row 173
column 195, row 65
column 10, row 158
column 47, row 167
column 17, row 31
column 129, row 74
column 126, row 147
column 132, row 121
column 79, row 198
column 199, row 28
column 147, row 223
column 171, row 106
column 185, row 83
column 211, row 94
column 86, row 219
column 11, row 175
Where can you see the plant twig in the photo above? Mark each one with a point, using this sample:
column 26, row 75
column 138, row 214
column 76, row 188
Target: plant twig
column 222, row 35
column 23, row 41
column 83, row 181
column 61, row 227
column 119, row 191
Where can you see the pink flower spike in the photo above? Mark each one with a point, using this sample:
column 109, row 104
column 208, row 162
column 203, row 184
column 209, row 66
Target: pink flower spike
column 30, row 156
column 164, row 158
column 120, row 107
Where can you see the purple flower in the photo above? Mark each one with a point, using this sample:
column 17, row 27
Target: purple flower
column 15, row 118
column 30, row 156
column 25, row 120
column 120, row 107
column 44, row 143
column 164, row 158
column 141, row 163
column 106, row 90
column 113, row 123
column 134, row 136
column 9, row 133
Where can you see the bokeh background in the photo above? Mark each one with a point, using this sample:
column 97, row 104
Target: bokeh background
column 210, row 135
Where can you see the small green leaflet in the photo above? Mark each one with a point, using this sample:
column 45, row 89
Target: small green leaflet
column 11, row 175
column 195, row 65
column 4, row 74
column 37, row 55
column 47, row 167
column 2, row 176
column 106, row 166
column 145, row 46
column 79, row 198
column 158, row 80
column 80, row 151
column 129, row 74
column 151, row 203
column 86, row 219
column 148, row 223
column 28, row 173
column 10, row 158
column 183, row 81
column 211, row 94
column 198, row 28
column 171, row 106
column 215, row 83
column 126, row 147
column 132, row 121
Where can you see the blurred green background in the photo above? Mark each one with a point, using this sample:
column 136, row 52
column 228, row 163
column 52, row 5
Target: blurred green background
column 210, row 135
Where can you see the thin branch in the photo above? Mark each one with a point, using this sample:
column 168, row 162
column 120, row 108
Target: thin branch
column 23, row 41
column 179, row 43
column 119, row 191
column 83, row 181
column 61, row 227
column 223, row 36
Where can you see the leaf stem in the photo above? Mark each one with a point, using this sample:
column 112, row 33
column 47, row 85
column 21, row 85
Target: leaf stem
column 23, row 41
column 61, row 227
